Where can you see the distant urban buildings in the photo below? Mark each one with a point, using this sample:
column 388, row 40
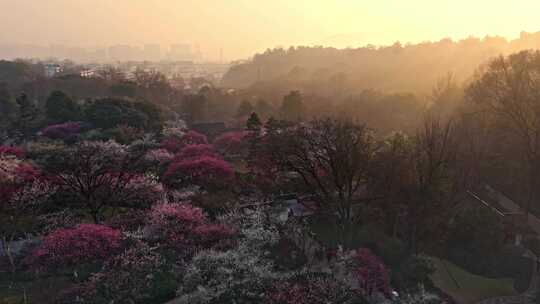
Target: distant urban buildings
column 51, row 70
column 113, row 53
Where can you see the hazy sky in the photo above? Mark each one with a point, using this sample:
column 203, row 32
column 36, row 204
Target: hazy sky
column 243, row 27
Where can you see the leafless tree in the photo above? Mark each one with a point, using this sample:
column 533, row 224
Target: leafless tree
column 332, row 157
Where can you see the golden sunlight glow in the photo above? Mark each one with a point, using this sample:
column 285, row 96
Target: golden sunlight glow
column 242, row 27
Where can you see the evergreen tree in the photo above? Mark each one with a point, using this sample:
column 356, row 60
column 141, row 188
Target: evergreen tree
column 253, row 123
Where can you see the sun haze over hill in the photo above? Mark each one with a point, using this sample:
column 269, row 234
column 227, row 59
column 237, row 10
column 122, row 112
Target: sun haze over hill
column 242, row 28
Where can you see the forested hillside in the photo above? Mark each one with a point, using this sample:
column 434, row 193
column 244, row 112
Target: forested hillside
column 416, row 67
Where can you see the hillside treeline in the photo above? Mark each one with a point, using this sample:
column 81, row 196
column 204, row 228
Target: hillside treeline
column 412, row 67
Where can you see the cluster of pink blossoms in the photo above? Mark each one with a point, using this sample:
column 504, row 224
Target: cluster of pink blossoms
column 183, row 226
column 81, row 244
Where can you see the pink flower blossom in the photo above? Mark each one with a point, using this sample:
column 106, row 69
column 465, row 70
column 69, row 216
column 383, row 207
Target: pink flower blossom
column 201, row 171
column 82, row 244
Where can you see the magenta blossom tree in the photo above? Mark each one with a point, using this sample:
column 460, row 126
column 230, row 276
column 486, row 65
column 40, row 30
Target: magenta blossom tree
column 204, row 171
column 84, row 243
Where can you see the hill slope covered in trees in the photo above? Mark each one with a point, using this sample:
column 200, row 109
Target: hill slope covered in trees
column 416, row 67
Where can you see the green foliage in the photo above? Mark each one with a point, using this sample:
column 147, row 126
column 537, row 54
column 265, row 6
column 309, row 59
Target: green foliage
column 110, row 112
column 60, row 108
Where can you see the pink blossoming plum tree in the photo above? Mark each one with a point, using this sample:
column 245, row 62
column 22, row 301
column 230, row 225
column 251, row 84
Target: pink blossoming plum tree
column 84, row 243
column 204, row 171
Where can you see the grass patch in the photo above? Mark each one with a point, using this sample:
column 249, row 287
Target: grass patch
column 472, row 288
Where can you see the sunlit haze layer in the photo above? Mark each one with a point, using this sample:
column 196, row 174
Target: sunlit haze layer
column 234, row 29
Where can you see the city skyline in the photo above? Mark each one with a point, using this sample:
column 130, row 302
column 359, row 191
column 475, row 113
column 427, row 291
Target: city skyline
column 116, row 52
